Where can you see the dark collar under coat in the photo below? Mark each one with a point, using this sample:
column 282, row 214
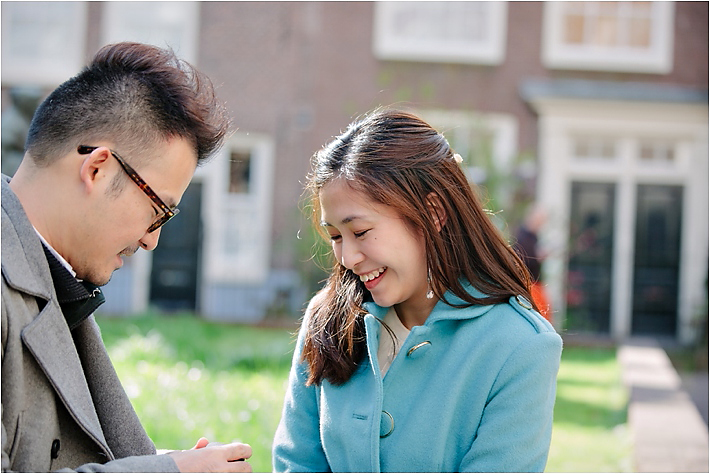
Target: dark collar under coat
column 78, row 300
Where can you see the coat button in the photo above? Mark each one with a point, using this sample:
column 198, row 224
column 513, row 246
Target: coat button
column 419, row 349
column 55, row 448
column 386, row 424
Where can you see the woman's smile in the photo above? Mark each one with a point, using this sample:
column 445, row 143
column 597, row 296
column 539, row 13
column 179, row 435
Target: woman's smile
column 373, row 278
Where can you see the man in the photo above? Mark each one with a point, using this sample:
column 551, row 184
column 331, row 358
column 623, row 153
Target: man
column 108, row 156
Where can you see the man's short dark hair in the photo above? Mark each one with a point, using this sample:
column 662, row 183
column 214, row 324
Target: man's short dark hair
column 135, row 95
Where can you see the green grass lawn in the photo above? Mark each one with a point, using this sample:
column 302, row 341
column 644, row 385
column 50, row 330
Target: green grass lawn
column 189, row 378
column 590, row 433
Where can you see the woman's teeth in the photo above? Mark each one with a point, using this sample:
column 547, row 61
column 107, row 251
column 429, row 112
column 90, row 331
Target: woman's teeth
column 372, row 275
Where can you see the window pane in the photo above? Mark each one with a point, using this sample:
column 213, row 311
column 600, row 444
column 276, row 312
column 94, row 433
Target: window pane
column 42, row 42
column 608, row 150
column 646, row 153
column 657, row 152
column 607, row 8
column 590, row 256
column 640, row 32
column 574, row 29
column 581, row 148
column 606, row 32
column 594, row 148
column 239, row 172
column 609, row 36
column 641, row 9
column 657, row 259
column 468, row 32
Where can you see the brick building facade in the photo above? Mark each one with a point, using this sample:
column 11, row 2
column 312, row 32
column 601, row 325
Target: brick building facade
column 601, row 106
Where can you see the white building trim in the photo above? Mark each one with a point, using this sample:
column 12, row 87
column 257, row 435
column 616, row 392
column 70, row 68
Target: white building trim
column 686, row 125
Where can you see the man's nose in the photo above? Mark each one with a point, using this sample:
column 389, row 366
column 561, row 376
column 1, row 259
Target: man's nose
column 150, row 239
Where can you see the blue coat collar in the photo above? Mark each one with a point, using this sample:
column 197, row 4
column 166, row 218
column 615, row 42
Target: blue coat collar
column 442, row 310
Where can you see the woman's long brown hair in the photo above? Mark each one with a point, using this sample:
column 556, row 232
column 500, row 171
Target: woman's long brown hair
column 397, row 159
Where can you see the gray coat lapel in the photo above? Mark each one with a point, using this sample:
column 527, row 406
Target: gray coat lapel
column 119, row 421
column 47, row 337
column 50, row 342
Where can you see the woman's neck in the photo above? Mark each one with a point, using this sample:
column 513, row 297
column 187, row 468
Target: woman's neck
column 415, row 313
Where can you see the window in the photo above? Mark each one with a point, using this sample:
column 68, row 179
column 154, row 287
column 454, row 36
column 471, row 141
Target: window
column 609, row 36
column 593, row 149
column 460, row 32
column 42, row 42
column 656, row 152
column 244, row 227
column 239, row 183
column 239, row 171
column 163, row 24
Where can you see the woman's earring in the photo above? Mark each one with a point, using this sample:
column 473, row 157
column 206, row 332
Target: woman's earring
column 430, row 293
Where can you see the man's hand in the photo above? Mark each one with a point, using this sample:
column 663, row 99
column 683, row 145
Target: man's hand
column 213, row 457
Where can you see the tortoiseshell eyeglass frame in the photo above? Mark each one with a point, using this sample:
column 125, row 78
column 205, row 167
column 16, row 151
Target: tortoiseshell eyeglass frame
column 167, row 212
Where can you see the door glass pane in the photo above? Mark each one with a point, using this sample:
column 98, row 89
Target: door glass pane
column 656, row 259
column 590, row 256
column 240, row 171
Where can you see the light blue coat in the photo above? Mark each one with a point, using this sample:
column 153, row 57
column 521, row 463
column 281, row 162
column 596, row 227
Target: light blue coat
column 471, row 390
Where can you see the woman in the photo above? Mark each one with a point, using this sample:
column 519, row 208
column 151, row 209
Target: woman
column 422, row 352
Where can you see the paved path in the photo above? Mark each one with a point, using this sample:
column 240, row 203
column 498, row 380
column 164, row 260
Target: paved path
column 696, row 384
column 669, row 432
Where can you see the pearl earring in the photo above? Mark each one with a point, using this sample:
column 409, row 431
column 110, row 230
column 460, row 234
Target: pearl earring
column 430, row 293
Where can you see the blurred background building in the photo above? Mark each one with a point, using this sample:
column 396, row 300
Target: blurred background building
column 596, row 111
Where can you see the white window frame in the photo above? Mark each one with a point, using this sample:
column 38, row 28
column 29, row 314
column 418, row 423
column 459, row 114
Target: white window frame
column 242, row 216
column 47, row 50
column 171, row 24
column 389, row 46
column 657, row 59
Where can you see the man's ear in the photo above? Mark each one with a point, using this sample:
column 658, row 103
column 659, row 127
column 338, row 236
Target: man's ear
column 94, row 167
column 437, row 211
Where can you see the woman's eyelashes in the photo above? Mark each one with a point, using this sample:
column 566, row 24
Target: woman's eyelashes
column 337, row 237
